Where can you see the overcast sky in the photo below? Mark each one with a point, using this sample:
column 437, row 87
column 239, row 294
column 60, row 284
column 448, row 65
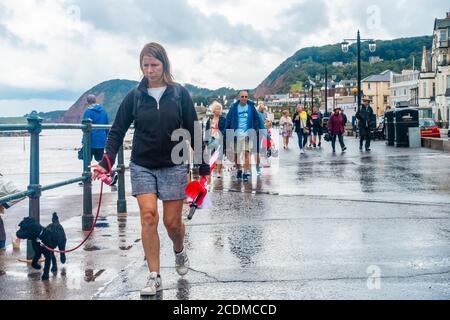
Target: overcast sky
column 57, row 49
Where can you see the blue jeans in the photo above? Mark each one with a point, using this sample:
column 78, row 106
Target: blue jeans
column 302, row 139
column 2, row 244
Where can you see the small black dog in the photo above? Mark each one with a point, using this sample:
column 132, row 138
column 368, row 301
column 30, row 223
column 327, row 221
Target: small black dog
column 53, row 236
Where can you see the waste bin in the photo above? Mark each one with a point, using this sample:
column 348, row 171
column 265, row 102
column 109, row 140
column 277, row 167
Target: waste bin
column 389, row 127
column 404, row 118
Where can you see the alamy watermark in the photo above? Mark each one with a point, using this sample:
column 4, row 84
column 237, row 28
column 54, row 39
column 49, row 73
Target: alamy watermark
column 74, row 13
column 232, row 147
column 374, row 17
column 374, row 280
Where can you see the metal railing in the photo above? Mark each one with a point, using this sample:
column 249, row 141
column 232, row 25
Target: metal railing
column 35, row 189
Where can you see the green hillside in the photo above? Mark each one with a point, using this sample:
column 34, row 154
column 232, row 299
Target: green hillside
column 397, row 55
column 114, row 91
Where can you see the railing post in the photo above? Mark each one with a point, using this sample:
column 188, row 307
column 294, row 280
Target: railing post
column 121, row 202
column 88, row 217
column 35, row 123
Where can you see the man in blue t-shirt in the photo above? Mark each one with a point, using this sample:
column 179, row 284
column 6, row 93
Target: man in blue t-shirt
column 242, row 117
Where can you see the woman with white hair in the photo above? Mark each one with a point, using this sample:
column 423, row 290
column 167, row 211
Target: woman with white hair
column 215, row 133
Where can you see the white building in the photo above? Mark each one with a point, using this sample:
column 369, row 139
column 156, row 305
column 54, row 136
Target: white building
column 375, row 59
column 405, row 87
column 434, row 82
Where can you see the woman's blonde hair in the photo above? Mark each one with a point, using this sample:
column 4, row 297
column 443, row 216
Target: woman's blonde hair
column 158, row 52
column 214, row 105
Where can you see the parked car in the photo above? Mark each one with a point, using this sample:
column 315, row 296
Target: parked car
column 429, row 128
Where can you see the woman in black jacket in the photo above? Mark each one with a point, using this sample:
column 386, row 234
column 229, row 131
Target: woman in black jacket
column 215, row 134
column 159, row 107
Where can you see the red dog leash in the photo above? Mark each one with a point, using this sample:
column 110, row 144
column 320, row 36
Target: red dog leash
column 96, row 217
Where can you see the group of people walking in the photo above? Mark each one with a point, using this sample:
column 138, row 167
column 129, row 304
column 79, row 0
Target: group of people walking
column 158, row 107
column 311, row 129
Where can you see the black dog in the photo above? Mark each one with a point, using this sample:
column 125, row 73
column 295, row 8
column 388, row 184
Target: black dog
column 53, row 236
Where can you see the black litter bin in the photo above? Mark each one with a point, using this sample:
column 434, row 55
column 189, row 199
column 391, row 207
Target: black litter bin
column 404, row 118
column 389, row 127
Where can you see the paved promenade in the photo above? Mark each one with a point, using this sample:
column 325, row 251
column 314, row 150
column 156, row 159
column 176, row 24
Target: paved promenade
column 315, row 226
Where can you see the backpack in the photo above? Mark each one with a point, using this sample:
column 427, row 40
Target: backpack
column 177, row 98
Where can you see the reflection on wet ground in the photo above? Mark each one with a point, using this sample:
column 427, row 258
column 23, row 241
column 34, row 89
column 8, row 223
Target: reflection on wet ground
column 309, row 227
column 89, row 275
column 391, row 174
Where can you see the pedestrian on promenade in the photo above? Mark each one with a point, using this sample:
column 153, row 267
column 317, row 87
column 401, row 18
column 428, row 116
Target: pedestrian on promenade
column 301, row 128
column 354, row 126
column 216, row 134
column 336, row 129
column 158, row 107
column 263, row 117
column 98, row 115
column 317, row 127
column 286, row 126
column 310, row 129
column 263, row 112
column 267, row 144
column 241, row 118
column 344, row 120
column 7, row 188
column 364, row 116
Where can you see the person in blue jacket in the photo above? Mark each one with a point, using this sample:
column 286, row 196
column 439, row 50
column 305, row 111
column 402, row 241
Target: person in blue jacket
column 98, row 115
column 242, row 117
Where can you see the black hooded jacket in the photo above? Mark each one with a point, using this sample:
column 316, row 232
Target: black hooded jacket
column 154, row 125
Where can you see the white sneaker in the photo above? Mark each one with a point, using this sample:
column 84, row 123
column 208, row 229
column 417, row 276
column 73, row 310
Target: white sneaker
column 154, row 284
column 182, row 263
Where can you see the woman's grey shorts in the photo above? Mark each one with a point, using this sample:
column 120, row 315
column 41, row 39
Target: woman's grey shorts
column 168, row 184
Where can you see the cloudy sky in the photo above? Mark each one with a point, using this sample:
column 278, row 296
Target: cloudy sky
column 54, row 50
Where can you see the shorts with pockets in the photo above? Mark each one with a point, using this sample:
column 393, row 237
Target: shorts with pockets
column 168, row 184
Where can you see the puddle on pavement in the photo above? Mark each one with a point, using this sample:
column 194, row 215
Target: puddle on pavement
column 106, row 235
column 159, row 296
column 137, row 240
column 102, row 225
column 125, row 247
column 92, row 248
column 89, row 275
column 34, row 276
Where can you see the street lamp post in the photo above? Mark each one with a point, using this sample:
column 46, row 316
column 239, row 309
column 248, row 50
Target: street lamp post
column 372, row 48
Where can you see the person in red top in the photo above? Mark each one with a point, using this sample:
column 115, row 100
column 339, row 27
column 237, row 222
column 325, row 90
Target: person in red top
column 336, row 129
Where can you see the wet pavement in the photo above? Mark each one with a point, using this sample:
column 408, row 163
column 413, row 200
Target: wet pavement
column 316, row 226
